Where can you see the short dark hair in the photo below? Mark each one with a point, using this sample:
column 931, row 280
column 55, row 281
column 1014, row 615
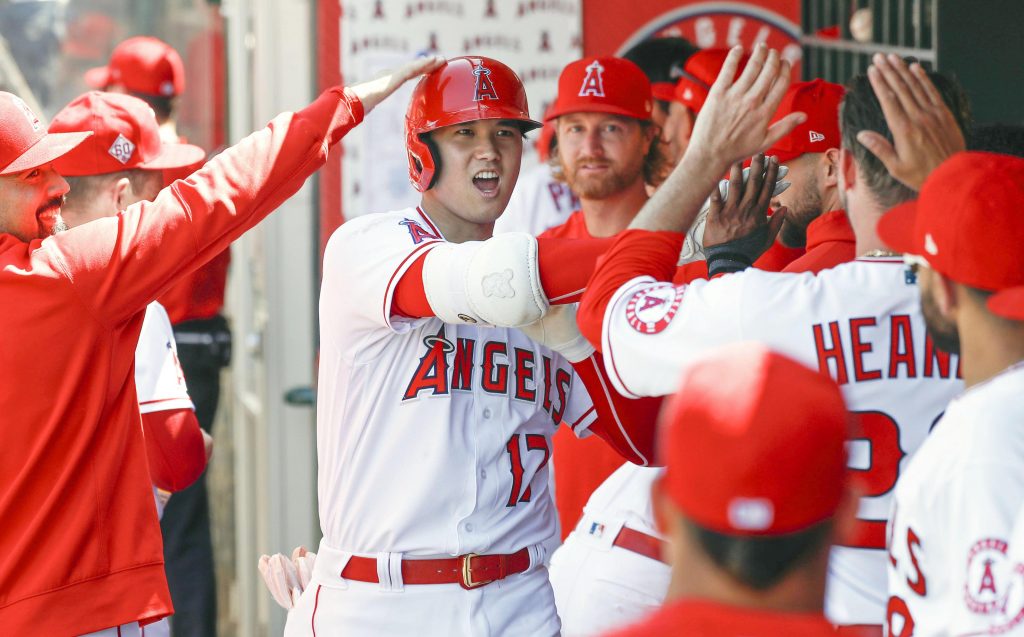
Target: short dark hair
column 1006, row 139
column 760, row 562
column 661, row 59
column 860, row 110
column 83, row 187
column 163, row 106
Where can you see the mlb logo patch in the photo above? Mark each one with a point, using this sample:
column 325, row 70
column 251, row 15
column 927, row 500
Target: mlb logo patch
column 596, row 529
column 121, row 149
column 816, row 136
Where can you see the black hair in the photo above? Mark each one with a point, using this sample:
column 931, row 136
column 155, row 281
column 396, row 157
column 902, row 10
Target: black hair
column 860, row 110
column 1006, row 139
column 761, row 562
column 661, row 59
column 163, row 106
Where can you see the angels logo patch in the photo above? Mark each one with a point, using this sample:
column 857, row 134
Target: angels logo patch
column 650, row 310
column 985, row 588
column 593, row 83
column 484, row 89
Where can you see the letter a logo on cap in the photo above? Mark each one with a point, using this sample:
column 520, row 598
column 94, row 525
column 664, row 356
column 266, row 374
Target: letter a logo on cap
column 484, row 88
column 593, row 82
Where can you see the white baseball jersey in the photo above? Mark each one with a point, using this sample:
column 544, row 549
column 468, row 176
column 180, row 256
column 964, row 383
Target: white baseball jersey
column 600, row 587
column 432, row 438
column 861, row 322
column 159, row 381
column 953, row 515
column 538, row 202
column 1010, row 621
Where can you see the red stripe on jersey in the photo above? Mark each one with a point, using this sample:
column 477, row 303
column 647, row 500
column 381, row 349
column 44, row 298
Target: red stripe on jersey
column 581, row 418
column 316, row 603
column 393, row 281
column 427, row 220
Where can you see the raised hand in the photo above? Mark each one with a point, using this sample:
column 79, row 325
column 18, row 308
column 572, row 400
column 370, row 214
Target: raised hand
column 745, row 211
column 734, row 122
column 375, row 91
column 924, row 131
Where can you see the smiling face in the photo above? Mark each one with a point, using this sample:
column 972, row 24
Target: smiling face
column 479, row 165
column 601, row 154
column 30, row 203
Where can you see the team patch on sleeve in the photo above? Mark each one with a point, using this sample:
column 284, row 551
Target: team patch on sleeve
column 651, row 309
column 418, row 233
column 985, row 589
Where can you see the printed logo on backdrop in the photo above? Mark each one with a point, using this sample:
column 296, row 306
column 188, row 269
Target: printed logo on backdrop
column 712, row 25
column 447, row 7
column 593, row 82
column 484, row 87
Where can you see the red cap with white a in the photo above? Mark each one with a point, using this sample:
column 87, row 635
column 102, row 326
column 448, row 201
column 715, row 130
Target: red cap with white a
column 819, row 100
column 968, row 224
column 142, row 65
column 603, row 85
column 126, row 136
column 24, row 141
column 754, row 443
column 699, row 73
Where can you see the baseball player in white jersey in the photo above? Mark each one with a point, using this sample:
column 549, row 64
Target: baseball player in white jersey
column 954, row 507
column 435, row 416
column 612, row 566
column 860, row 322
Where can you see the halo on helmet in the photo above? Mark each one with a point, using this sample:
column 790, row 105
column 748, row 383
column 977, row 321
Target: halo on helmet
column 465, row 89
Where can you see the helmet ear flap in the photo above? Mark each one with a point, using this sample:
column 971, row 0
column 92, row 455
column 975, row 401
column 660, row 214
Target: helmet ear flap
column 424, row 161
column 435, row 158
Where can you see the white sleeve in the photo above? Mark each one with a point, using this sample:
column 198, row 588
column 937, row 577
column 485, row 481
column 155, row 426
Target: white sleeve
column 653, row 329
column 363, row 263
column 159, row 381
column 578, row 412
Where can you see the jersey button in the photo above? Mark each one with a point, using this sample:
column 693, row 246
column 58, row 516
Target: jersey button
column 469, row 527
column 487, row 412
column 483, row 474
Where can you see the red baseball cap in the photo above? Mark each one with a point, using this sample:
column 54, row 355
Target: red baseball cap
column 820, row 131
column 699, row 73
column 126, row 137
column 142, row 65
column 603, row 85
column 24, row 141
column 754, row 443
column 968, row 224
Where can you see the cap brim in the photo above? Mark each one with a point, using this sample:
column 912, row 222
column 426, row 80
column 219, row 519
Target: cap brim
column 48, row 148
column 663, row 91
column 175, row 156
column 1008, row 303
column 593, row 108
column 896, row 228
column 98, row 77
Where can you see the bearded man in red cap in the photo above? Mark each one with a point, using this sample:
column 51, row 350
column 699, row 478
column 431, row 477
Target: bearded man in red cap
column 753, row 495
column 80, row 548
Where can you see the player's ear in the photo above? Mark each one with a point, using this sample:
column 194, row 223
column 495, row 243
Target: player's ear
column 123, row 193
column 829, row 168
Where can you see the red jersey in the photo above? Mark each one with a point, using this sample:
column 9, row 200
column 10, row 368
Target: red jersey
column 80, row 546
column 701, row 618
column 830, row 241
column 777, row 257
column 586, row 462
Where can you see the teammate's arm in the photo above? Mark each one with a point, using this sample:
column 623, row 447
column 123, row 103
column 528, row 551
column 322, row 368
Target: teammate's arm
column 175, row 447
column 564, row 266
column 118, row 264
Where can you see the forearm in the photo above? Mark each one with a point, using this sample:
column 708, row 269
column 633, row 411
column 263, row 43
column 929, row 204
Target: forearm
column 564, row 265
column 627, row 425
column 175, row 448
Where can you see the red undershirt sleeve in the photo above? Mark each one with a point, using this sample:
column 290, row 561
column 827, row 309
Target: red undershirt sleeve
column 174, row 448
column 565, row 266
column 627, row 425
column 635, row 253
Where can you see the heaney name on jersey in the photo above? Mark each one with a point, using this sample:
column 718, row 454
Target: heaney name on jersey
column 843, row 345
column 500, row 370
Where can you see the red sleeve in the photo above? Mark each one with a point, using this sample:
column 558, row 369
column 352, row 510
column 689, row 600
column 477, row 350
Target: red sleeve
column 627, row 425
column 119, row 264
column 174, row 448
column 565, row 265
column 634, row 253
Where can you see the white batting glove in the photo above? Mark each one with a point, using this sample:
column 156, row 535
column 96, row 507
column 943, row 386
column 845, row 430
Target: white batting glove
column 558, row 330
column 285, row 578
column 693, row 244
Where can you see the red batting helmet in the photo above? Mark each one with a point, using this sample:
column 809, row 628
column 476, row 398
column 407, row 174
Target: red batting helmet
column 465, row 89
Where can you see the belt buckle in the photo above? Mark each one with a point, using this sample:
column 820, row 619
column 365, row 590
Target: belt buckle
column 467, row 572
